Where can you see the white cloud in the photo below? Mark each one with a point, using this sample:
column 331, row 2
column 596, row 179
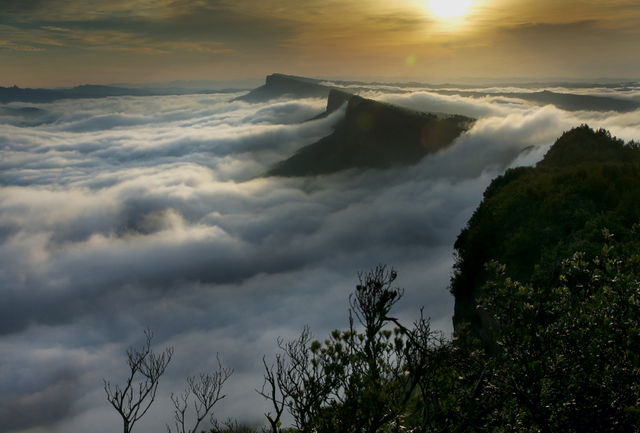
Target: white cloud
column 133, row 212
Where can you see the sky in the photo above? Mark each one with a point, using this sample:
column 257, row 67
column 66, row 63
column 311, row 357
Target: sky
column 123, row 213
column 57, row 43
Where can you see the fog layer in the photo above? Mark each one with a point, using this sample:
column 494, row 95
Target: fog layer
column 119, row 214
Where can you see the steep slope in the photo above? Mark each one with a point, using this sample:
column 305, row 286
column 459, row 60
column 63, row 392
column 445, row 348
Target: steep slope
column 532, row 217
column 336, row 99
column 372, row 135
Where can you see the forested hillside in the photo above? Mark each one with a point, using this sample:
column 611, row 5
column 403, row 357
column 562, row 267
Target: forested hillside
column 531, row 218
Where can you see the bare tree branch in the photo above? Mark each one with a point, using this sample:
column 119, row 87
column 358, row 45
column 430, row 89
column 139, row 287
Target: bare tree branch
column 207, row 393
column 133, row 400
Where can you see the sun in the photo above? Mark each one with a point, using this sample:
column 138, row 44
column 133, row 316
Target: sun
column 450, row 8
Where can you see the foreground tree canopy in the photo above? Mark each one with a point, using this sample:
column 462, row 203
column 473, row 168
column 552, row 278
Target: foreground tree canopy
column 547, row 339
column 532, row 218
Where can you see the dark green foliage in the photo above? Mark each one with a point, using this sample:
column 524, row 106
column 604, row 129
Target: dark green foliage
column 567, row 355
column 560, row 318
column 559, row 313
column 555, row 294
column 583, row 144
column 371, row 377
column 537, row 216
column 565, row 358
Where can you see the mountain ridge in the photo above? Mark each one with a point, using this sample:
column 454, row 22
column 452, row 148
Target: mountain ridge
column 531, row 218
column 372, row 135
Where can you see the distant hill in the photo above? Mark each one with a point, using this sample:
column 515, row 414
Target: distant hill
column 26, row 112
column 17, row 94
column 100, row 91
column 27, row 116
column 531, row 218
column 279, row 85
column 372, row 135
column 564, row 101
column 35, row 96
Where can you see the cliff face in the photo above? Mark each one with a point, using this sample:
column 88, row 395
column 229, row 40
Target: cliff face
column 531, row 218
column 372, row 135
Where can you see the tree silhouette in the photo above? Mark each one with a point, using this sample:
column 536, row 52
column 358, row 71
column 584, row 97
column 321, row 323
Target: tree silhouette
column 133, row 400
column 207, row 394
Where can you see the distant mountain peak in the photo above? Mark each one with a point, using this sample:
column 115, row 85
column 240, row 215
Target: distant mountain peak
column 279, row 85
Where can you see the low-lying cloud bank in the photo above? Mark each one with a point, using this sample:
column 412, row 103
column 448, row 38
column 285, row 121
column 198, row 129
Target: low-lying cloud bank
column 122, row 213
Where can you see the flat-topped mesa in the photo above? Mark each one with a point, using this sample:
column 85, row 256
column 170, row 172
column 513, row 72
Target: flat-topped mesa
column 279, row 85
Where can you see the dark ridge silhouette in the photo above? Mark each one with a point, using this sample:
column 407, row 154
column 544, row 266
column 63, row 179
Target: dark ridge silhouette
column 100, row 91
column 26, row 112
column 533, row 217
column 583, row 144
column 39, row 96
column 278, row 85
column 373, row 135
column 336, row 99
column 28, row 116
column 564, row 101
column 16, row 94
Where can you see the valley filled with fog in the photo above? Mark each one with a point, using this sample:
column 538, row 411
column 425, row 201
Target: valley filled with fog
column 122, row 213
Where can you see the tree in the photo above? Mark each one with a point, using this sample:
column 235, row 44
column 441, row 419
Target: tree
column 133, row 401
column 364, row 379
column 207, row 394
column 272, row 390
column 567, row 357
column 302, row 382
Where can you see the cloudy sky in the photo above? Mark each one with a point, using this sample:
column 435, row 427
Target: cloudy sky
column 123, row 213
column 118, row 214
column 48, row 43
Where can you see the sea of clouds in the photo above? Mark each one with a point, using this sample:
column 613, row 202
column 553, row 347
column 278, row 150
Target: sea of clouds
column 119, row 214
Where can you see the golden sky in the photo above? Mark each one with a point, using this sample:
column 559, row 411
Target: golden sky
column 48, row 43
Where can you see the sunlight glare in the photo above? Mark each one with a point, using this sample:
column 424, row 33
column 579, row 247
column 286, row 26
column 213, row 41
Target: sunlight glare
column 450, row 8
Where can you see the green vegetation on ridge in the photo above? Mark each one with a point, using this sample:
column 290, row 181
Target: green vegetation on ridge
column 530, row 218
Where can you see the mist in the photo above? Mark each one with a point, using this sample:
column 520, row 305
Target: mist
column 119, row 214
